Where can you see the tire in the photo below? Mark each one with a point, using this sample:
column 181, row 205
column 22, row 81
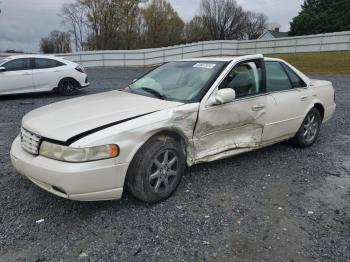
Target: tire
column 68, row 87
column 156, row 170
column 309, row 130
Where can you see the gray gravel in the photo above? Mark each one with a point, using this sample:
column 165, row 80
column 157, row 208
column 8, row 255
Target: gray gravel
column 276, row 204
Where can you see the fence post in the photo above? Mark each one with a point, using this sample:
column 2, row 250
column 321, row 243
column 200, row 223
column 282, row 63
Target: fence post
column 321, row 43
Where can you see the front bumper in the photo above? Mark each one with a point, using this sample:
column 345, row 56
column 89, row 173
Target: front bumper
column 90, row 181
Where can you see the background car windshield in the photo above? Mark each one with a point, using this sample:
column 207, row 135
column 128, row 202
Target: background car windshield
column 179, row 81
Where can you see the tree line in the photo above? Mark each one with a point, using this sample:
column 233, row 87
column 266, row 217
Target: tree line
column 321, row 16
column 135, row 24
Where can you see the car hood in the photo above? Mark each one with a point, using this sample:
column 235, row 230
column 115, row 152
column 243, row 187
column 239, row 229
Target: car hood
column 64, row 120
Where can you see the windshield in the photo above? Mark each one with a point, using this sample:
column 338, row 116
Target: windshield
column 178, row 81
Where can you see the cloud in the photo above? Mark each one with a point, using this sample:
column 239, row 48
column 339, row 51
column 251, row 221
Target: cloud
column 24, row 22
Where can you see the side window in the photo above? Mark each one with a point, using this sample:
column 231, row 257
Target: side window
column 296, row 80
column 245, row 79
column 277, row 78
column 42, row 63
column 18, row 64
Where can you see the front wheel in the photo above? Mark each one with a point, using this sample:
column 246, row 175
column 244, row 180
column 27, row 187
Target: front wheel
column 309, row 130
column 156, row 170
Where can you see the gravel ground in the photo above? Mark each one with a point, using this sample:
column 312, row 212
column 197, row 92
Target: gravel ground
column 276, row 204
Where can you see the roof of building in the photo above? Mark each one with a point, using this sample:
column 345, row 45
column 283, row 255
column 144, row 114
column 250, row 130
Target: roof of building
column 277, row 34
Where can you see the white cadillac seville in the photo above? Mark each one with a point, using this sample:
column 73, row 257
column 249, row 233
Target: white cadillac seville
column 181, row 113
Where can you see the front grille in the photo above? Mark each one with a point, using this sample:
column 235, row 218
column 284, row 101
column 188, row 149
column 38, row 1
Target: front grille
column 30, row 141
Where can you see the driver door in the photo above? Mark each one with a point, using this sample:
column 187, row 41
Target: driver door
column 237, row 125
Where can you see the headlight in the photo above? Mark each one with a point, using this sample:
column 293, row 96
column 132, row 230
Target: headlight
column 69, row 154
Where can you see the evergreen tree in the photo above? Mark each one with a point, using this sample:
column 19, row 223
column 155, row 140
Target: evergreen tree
column 322, row 16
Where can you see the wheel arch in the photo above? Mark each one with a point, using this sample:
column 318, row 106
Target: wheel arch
column 165, row 134
column 320, row 108
column 68, row 78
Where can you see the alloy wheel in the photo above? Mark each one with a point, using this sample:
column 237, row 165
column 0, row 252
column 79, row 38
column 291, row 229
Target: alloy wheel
column 163, row 171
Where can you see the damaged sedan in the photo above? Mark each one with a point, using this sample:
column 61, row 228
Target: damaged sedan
column 182, row 113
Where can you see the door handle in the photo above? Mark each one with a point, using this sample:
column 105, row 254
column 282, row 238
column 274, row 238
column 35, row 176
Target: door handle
column 258, row 107
column 26, row 74
column 304, row 98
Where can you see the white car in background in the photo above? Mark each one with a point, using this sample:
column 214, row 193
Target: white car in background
column 183, row 112
column 40, row 73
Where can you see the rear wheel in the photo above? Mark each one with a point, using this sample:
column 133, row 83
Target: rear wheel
column 309, row 130
column 156, row 170
column 68, row 87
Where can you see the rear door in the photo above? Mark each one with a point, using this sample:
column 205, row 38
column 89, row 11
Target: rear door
column 18, row 76
column 287, row 102
column 46, row 74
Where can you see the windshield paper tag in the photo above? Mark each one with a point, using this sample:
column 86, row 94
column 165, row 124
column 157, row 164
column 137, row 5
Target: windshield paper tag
column 202, row 65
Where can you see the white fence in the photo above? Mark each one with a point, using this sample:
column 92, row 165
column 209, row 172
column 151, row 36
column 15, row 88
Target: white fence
column 145, row 57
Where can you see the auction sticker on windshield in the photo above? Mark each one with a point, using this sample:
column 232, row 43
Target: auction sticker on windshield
column 203, row 65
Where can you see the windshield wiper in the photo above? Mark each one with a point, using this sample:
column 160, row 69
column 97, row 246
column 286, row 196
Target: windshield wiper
column 154, row 92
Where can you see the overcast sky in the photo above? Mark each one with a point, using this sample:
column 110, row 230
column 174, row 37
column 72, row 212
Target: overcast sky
column 24, row 22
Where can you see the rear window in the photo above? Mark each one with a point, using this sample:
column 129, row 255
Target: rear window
column 277, row 78
column 294, row 78
column 41, row 63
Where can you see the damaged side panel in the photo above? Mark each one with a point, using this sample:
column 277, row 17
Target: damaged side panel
column 131, row 135
column 236, row 126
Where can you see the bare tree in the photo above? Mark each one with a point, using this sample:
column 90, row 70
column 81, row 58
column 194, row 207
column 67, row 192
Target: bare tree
column 225, row 19
column 130, row 15
column 46, row 46
column 195, row 30
column 56, row 42
column 74, row 16
column 256, row 24
column 161, row 25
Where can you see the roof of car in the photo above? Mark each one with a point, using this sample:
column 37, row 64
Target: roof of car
column 31, row 56
column 212, row 58
column 221, row 58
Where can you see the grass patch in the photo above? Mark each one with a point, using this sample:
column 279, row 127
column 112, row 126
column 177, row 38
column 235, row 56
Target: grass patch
column 325, row 63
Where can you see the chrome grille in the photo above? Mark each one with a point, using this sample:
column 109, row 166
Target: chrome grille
column 30, row 141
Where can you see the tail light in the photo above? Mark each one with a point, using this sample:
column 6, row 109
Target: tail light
column 80, row 68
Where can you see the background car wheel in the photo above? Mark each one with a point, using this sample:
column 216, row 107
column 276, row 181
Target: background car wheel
column 156, row 170
column 68, row 87
column 309, row 130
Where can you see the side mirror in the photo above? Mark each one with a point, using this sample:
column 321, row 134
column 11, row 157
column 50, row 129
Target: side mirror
column 223, row 96
column 2, row 69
